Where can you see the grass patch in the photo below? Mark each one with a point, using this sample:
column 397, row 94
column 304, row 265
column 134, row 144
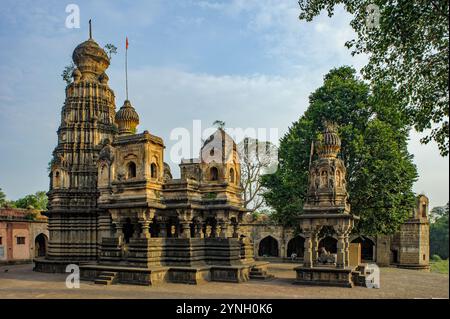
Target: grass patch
column 439, row 266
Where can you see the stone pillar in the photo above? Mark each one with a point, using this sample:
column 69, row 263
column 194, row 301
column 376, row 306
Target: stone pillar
column 218, row 229
column 308, row 256
column 185, row 229
column 229, row 233
column 315, row 248
column 198, row 230
column 208, row 231
column 145, row 228
column 347, row 252
column 342, row 231
column 223, row 230
column 340, row 259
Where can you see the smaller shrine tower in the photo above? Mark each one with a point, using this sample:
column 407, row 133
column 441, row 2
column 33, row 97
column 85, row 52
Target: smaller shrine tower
column 326, row 208
column 327, row 192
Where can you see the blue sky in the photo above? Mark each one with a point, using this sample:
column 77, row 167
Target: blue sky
column 249, row 63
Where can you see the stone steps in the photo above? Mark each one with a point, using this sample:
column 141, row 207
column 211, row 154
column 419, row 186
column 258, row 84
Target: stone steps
column 105, row 278
column 260, row 274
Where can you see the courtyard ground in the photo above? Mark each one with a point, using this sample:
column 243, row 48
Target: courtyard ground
column 19, row 281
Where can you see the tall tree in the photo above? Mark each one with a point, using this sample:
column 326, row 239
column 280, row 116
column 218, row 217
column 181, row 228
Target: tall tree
column 439, row 235
column 374, row 134
column 407, row 42
column 256, row 159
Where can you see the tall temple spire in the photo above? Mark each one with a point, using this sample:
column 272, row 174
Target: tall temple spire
column 86, row 121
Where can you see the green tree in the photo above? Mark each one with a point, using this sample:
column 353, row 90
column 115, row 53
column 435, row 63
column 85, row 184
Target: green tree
column 437, row 212
column 407, row 42
column 111, row 49
column 38, row 201
column 380, row 172
column 67, row 73
column 2, row 198
column 439, row 235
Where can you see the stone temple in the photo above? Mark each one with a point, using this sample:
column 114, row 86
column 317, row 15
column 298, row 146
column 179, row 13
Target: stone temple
column 114, row 208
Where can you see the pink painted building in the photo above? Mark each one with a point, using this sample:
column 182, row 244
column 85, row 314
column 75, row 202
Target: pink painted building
column 23, row 235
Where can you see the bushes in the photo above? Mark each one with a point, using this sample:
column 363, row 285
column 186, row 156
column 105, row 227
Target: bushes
column 436, row 258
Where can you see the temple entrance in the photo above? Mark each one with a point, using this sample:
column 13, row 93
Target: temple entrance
column 296, row 246
column 329, row 243
column 128, row 230
column 367, row 247
column 268, row 247
column 394, row 256
column 40, row 245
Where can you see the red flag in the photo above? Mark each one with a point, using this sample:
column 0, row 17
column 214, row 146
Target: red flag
column 126, row 44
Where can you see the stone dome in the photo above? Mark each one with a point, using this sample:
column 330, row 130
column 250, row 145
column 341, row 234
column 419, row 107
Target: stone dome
column 90, row 59
column 127, row 118
column 329, row 143
column 218, row 147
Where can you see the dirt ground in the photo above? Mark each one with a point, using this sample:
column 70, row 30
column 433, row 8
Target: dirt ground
column 19, row 281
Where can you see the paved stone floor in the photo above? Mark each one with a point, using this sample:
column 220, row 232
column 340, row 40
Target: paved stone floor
column 21, row 282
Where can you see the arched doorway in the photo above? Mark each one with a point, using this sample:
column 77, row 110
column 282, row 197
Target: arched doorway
column 329, row 243
column 367, row 247
column 213, row 174
column 268, row 247
column 131, row 170
column 296, row 246
column 40, row 245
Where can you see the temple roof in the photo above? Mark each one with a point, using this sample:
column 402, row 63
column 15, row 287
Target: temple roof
column 90, row 58
column 329, row 142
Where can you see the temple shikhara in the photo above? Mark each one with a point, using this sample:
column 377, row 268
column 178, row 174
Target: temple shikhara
column 114, row 208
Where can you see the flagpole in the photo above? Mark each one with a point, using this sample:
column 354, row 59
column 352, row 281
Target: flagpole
column 126, row 68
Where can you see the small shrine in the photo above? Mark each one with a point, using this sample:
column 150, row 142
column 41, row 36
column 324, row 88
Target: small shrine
column 326, row 209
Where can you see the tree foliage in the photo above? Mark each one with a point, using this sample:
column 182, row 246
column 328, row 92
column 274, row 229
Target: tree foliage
column 67, row 73
column 110, row 49
column 374, row 134
column 256, row 159
column 407, row 44
column 219, row 124
column 2, row 198
column 38, row 201
column 439, row 234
